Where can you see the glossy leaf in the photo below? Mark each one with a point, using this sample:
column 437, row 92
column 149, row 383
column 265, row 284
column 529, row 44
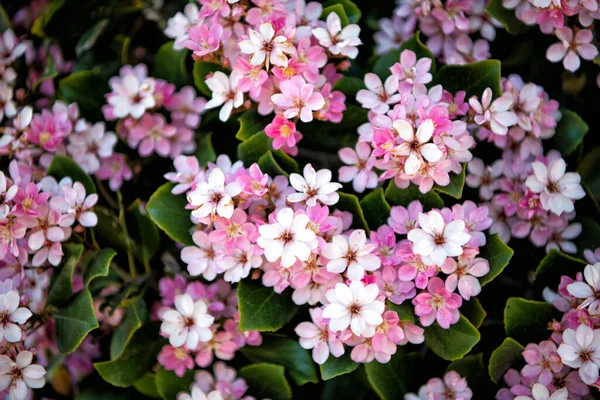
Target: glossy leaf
column 90, row 37
column 135, row 316
column 456, row 185
column 250, row 150
column 142, row 231
column 85, row 88
column 169, row 385
column 570, row 132
column 389, row 380
column 375, row 208
column 336, row 366
column 588, row 169
column 352, row 11
column 201, row 71
column 266, row 381
column 339, row 10
column 526, row 320
column 277, row 163
column 147, row 386
column 170, row 65
column 261, row 308
column 504, row 357
column 350, row 203
column 61, row 286
column 62, row 166
column 403, row 197
column 349, row 85
column 168, row 212
column 287, row 352
column 206, row 151
column 452, row 344
column 506, row 17
column 99, row 266
column 589, row 237
column 251, row 122
column 473, row 311
column 74, row 322
column 405, row 311
column 473, row 78
column 498, row 255
column 554, row 265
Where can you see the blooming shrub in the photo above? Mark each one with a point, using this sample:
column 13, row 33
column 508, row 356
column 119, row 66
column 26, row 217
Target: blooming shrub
column 271, row 199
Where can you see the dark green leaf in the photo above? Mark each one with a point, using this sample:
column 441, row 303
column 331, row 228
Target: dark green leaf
column 109, row 230
column 405, row 311
column 268, row 165
column 40, row 22
column 286, row 162
column 74, row 322
column 336, row 366
column 504, row 357
column 349, row 85
column 147, row 386
column 287, row 352
column 168, row 211
column 589, row 237
column 339, row 10
column 554, row 265
column 498, row 255
column 133, row 320
column 85, row 88
column 170, row 385
column 506, row 17
column 99, row 265
column 349, row 386
column 473, row 78
column 62, row 166
column 452, row 344
column 375, row 208
column 588, row 169
column 135, row 361
column 350, row 203
column 250, row 150
column 89, row 38
column 201, row 70
column 526, row 320
column 251, row 122
column 142, row 231
column 402, row 197
column 261, row 308
column 470, row 367
column 266, row 381
column 352, row 11
column 206, row 152
column 61, row 286
column 4, row 20
column 168, row 65
column 389, row 380
column 473, row 311
column 456, row 185
column 570, row 132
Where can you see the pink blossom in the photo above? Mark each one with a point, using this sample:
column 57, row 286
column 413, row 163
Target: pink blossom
column 409, row 71
column 116, row 170
column 254, row 182
column 403, row 220
column 283, row 132
column 338, row 40
column 266, row 47
column 49, row 129
column 202, row 259
column 152, row 134
column 394, row 289
column 359, row 169
column 175, row 359
column 225, row 93
column 188, row 174
column 185, row 107
column 378, row 97
column 542, row 362
column 463, row 274
column 132, row 92
column 313, row 187
column 570, row 48
column 203, row 40
column 351, row 254
column 76, row 206
column 495, row 114
column 581, row 349
column 298, row 98
column 437, row 304
column 319, row 337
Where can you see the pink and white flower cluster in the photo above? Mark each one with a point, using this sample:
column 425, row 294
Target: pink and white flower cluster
column 450, row 26
column 451, row 387
column 201, row 322
column 529, row 194
column 223, row 383
column 136, row 101
column 277, row 56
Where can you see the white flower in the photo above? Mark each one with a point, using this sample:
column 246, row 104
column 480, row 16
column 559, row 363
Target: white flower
column 7, row 105
column 133, row 93
column 198, row 394
column 379, row 96
column 314, row 186
column 338, row 40
column 238, row 264
column 11, row 48
column 558, row 189
column 90, row 145
column 20, row 375
column 354, row 306
column 263, row 46
column 224, row 92
column 75, row 206
column 179, row 25
column 188, row 324
column 497, row 114
column 541, row 392
column 435, row 240
column 214, row 196
column 290, row 238
column 588, row 290
column 416, row 147
column 352, row 254
column 581, row 349
column 11, row 316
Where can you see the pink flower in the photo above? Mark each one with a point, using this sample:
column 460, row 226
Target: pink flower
column 437, row 304
column 581, row 349
column 496, row 115
column 317, row 336
column 225, row 93
column 49, row 129
column 416, row 147
column 570, row 48
column 409, row 71
column 203, row 40
column 20, row 375
column 179, row 25
column 283, row 132
column 298, row 98
column 403, row 220
column 233, row 232
column 185, row 107
column 338, row 40
column 203, row 257
column 132, row 92
column 254, row 182
column 359, row 169
column 379, row 97
column 176, row 359
column 542, row 362
column 394, row 289
column 28, row 200
column 11, row 316
column 116, row 170
column 188, row 324
column 484, row 177
column 240, row 261
column 213, row 196
column 465, row 276
column 265, row 46
column 588, row 290
column 188, row 174
column 76, row 206
column 152, row 134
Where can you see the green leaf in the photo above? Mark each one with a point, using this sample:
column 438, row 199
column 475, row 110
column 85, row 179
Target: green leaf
column 506, row 17
column 287, row 352
column 167, row 210
column 384, row 62
column 206, row 152
column 389, row 380
column 349, row 85
column 109, row 230
column 142, row 231
column 588, row 169
column 147, row 386
column 201, row 70
column 452, row 344
column 287, row 163
column 49, row 72
column 61, row 286
column 350, row 203
column 268, row 165
column 85, row 88
column 504, row 357
column 40, row 22
column 250, row 150
column 589, row 237
column 554, row 265
column 168, row 65
column 251, row 122
column 266, row 381
column 99, row 266
column 352, row 11
column 473, row 78
column 403, row 197
column 133, row 320
column 472, row 368
column 336, row 366
column 526, row 320
column 74, row 322
column 473, row 311
column 570, row 132
column 135, row 361
column 90, row 37
column 339, row 10
column 4, row 20
column 405, row 311
column 169, row 385
column 261, row 308
column 498, row 255
column 349, row 386
column 456, row 185
column 375, row 208
column 62, row 166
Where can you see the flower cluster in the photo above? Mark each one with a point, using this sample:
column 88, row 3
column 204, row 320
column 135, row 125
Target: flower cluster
column 571, row 21
column 201, row 322
column 281, row 57
column 450, row 26
column 529, row 194
column 222, row 384
column 451, row 387
column 414, row 134
column 136, row 101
